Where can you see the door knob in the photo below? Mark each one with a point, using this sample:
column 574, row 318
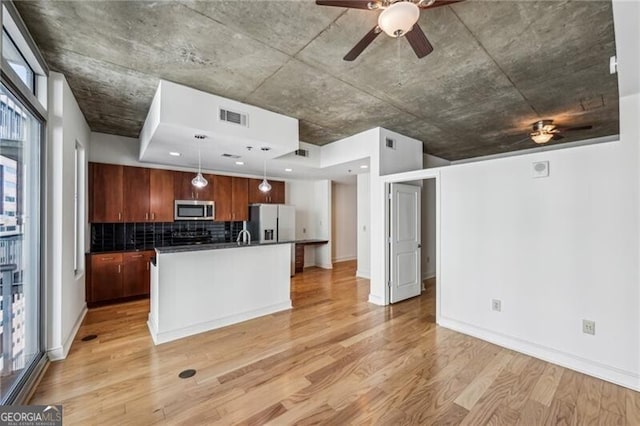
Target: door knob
column 419, row 245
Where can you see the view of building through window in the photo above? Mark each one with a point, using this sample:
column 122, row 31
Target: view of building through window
column 19, row 239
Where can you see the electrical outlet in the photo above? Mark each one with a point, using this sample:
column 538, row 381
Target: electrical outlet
column 496, row 305
column 589, row 327
column 304, row 230
column 428, row 259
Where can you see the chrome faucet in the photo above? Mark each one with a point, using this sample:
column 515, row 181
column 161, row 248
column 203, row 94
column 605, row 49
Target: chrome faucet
column 245, row 236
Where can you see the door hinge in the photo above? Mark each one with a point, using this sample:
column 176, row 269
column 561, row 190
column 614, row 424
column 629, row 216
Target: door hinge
column 389, row 283
column 389, row 196
column 389, row 240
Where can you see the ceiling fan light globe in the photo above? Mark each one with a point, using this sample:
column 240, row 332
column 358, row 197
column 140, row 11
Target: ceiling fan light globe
column 264, row 186
column 399, row 18
column 199, row 181
column 541, row 137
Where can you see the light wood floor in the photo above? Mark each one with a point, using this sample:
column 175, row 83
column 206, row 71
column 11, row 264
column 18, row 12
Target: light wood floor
column 334, row 359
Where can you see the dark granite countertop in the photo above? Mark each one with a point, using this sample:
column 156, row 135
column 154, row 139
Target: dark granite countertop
column 214, row 246
column 311, row 241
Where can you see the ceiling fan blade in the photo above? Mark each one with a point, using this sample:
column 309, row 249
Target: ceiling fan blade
column 571, row 129
column 438, row 3
column 362, row 44
column 352, row 4
column 419, row 42
column 557, row 137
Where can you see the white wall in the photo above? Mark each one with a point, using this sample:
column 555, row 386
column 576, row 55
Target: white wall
column 65, row 288
column 363, row 224
column 312, row 200
column 344, row 216
column 554, row 250
column 428, row 211
column 406, row 156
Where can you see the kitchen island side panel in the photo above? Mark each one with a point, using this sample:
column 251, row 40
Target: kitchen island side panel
column 197, row 291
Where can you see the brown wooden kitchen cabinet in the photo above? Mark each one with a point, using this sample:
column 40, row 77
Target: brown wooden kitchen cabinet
column 161, row 195
column 105, row 280
column 184, row 190
column 114, row 277
column 275, row 196
column 135, row 190
column 231, row 195
column 106, row 196
column 136, row 273
column 239, row 199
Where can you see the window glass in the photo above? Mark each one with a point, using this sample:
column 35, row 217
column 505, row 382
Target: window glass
column 20, row 343
column 17, row 62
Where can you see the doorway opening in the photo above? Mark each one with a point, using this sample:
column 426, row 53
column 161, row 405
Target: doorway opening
column 413, row 241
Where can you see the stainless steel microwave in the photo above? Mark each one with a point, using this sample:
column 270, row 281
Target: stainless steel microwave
column 194, row 210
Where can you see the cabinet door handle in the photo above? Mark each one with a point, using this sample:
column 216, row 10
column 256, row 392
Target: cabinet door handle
column 119, row 216
column 119, row 268
column 153, row 216
column 136, row 256
column 146, row 216
column 106, row 258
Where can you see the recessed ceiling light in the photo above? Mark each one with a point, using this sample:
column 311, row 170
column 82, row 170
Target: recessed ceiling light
column 175, row 154
column 364, row 166
column 288, row 170
column 240, row 163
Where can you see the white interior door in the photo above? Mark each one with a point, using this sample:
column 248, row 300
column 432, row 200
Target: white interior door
column 404, row 242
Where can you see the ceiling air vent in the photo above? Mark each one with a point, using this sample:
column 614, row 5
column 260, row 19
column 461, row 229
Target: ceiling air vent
column 234, row 117
column 231, row 156
column 302, row 152
column 390, row 143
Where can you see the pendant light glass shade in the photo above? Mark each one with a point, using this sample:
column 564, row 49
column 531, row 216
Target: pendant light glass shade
column 199, row 181
column 265, row 186
column 541, row 137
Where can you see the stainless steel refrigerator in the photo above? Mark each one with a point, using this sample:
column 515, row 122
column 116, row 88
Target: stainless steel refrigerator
column 273, row 223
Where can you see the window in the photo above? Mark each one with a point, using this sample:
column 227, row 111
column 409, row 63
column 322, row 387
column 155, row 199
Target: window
column 17, row 62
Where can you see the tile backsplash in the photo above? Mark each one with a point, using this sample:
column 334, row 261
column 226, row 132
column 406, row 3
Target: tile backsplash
column 136, row 236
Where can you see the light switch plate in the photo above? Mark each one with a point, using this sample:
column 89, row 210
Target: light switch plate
column 540, row 169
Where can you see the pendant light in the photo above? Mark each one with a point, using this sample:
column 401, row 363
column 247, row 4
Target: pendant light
column 265, row 186
column 199, row 181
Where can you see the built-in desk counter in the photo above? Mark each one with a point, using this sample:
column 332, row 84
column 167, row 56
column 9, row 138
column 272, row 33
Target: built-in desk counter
column 202, row 287
column 299, row 254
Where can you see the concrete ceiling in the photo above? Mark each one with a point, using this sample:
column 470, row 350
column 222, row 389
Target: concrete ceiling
column 497, row 67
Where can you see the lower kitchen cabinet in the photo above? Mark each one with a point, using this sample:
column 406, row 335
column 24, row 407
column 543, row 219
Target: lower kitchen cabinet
column 116, row 276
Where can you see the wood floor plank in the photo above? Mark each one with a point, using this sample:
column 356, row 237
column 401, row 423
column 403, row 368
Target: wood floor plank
column 587, row 410
column 472, row 393
column 333, row 359
column 632, row 407
column 545, row 388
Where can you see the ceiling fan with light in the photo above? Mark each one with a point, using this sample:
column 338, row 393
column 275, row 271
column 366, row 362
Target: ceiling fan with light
column 398, row 18
column 545, row 130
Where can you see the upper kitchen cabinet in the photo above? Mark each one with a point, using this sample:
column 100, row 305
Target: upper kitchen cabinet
column 184, row 189
column 161, row 195
column 275, row 196
column 222, row 196
column 106, row 195
column 239, row 199
column 231, row 195
column 135, row 190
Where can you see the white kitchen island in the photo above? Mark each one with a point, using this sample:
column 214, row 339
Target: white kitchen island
column 203, row 287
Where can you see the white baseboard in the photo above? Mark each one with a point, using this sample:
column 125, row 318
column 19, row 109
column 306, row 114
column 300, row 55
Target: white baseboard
column 376, row 300
column 61, row 352
column 428, row 275
column 363, row 274
column 325, row 265
column 592, row 368
column 168, row 336
column 343, row 259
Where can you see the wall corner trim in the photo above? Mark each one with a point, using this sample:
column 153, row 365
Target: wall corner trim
column 376, row 300
column 61, row 352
